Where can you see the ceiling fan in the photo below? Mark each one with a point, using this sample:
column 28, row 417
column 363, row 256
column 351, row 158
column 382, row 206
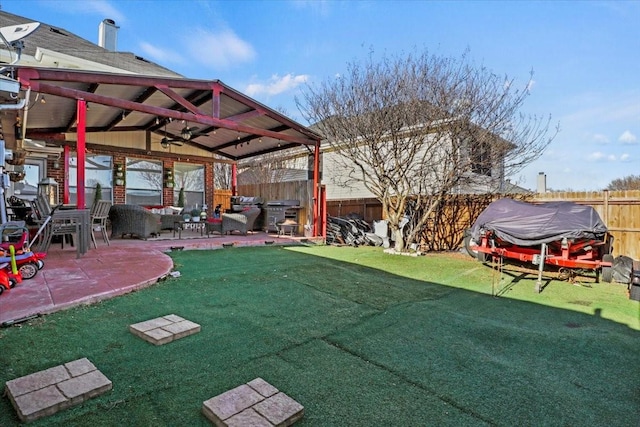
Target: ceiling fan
column 166, row 142
column 189, row 132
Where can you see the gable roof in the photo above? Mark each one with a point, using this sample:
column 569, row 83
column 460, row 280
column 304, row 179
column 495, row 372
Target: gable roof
column 127, row 93
column 49, row 44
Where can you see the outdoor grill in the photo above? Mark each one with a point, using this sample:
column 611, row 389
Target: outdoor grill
column 279, row 211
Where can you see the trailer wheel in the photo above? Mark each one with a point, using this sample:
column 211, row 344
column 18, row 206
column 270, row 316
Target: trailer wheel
column 482, row 257
column 1, row 289
column 607, row 272
column 28, row 270
column 467, row 244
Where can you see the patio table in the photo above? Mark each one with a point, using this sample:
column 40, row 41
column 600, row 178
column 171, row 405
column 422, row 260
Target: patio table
column 214, row 225
column 180, row 225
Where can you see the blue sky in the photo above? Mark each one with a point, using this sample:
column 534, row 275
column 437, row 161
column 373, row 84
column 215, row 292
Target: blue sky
column 584, row 55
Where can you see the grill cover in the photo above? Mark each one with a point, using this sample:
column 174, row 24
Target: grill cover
column 525, row 224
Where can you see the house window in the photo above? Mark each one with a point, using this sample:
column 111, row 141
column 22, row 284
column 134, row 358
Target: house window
column 32, row 173
column 190, row 177
column 97, row 170
column 481, row 158
column 144, row 182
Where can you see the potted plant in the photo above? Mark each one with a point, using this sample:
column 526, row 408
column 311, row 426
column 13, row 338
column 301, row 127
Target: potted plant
column 195, row 215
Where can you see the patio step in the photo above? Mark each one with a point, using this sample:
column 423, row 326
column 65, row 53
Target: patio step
column 165, row 329
column 254, row 404
column 46, row 392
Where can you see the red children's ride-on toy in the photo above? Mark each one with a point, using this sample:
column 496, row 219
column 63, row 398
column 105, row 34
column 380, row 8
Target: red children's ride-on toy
column 14, row 233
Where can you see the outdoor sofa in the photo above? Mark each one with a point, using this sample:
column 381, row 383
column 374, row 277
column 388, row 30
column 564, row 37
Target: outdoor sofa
column 240, row 221
column 133, row 220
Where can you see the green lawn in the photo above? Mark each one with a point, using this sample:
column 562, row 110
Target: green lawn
column 358, row 337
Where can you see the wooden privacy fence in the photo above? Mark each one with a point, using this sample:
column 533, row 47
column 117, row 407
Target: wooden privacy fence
column 619, row 210
column 369, row 209
column 221, row 197
column 289, row 190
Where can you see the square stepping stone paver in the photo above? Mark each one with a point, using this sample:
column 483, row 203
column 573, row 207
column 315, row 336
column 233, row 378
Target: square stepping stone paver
column 46, row 392
column 254, row 404
column 162, row 330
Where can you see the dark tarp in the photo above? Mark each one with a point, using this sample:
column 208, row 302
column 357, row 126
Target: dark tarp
column 525, row 224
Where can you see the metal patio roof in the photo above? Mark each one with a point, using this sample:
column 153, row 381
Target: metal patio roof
column 229, row 123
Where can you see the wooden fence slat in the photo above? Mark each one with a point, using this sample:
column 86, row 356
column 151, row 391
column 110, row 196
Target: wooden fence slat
column 620, row 211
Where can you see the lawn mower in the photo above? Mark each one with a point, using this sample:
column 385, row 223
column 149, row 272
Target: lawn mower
column 564, row 235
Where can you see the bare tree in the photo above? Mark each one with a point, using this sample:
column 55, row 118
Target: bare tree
column 413, row 129
column 190, row 178
column 631, row 182
column 222, row 175
column 263, row 172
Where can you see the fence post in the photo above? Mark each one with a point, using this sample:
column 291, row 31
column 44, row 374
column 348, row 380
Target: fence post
column 605, row 212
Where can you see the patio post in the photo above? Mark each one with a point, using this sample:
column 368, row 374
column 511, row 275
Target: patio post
column 234, row 179
column 81, row 145
column 65, row 182
column 316, row 179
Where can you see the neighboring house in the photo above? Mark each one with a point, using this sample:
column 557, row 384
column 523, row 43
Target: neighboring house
column 149, row 130
column 483, row 176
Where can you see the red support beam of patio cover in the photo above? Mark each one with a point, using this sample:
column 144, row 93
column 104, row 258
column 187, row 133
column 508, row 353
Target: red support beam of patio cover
column 234, row 179
column 81, row 144
column 316, row 179
column 65, row 185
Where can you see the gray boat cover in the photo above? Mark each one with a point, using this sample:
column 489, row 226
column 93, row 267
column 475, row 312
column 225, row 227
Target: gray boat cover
column 526, row 224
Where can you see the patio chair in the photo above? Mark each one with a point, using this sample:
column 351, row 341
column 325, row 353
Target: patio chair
column 133, row 220
column 66, row 228
column 98, row 217
column 241, row 221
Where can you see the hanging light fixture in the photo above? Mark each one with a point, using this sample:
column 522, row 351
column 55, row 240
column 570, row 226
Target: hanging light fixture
column 185, row 133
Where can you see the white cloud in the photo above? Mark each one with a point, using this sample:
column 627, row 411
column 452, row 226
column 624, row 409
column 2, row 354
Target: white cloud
column 625, row 157
column 320, row 7
column 219, row 50
column 597, row 156
column 276, row 85
column 102, row 8
column 160, row 55
column 601, row 139
column 627, row 138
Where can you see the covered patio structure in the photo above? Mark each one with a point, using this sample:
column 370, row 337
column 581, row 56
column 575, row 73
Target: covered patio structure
column 158, row 117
